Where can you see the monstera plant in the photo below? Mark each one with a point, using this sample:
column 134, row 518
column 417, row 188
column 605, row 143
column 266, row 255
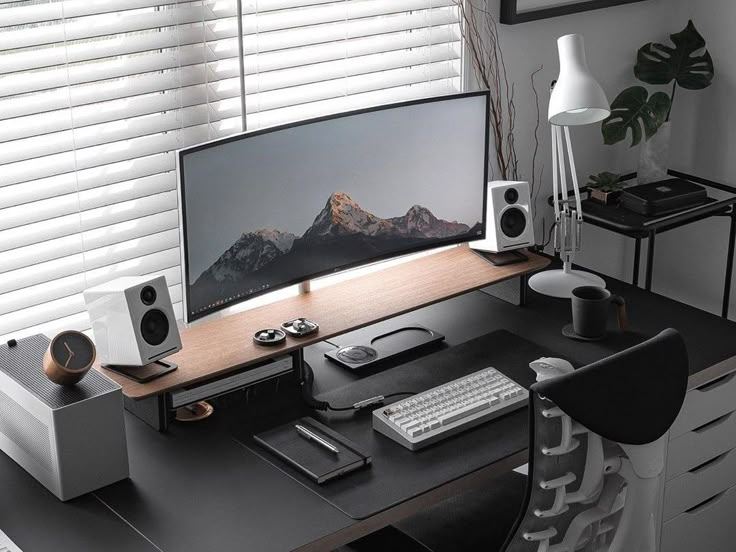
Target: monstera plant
column 686, row 63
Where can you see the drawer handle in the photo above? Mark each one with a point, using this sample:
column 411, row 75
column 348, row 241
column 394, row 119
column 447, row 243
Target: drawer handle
column 709, row 464
column 723, row 380
column 706, row 504
column 711, row 425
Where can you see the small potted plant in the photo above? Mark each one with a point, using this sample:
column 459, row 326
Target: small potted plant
column 605, row 187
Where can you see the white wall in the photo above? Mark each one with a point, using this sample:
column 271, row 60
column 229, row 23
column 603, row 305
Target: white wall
column 690, row 261
column 612, row 38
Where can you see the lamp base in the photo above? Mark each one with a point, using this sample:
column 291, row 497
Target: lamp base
column 560, row 283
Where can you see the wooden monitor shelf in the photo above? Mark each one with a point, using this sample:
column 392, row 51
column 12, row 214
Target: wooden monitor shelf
column 220, row 346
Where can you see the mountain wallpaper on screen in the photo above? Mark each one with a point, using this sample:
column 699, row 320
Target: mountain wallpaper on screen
column 341, row 234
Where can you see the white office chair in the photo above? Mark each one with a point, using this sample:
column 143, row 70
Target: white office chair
column 596, row 464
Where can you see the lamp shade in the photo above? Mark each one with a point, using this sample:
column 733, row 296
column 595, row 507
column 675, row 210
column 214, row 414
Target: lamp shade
column 577, row 98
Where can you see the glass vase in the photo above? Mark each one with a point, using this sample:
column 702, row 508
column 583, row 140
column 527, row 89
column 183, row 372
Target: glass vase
column 654, row 156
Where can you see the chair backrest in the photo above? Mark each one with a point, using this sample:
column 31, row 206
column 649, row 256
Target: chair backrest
column 598, row 444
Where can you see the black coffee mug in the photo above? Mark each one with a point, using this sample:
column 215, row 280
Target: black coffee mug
column 590, row 311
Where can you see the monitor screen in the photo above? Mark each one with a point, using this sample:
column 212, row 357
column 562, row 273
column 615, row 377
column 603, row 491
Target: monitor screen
column 274, row 207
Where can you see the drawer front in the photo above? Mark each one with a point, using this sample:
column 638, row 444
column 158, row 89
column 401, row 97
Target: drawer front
column 708, row 527
column 706, row 403
column 697, row 485
column 701, row 445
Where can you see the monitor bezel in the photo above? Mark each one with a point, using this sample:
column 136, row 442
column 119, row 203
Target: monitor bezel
column 190, row 317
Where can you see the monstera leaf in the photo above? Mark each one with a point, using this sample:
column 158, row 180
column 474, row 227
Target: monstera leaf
column 687, row 63
column 633, row 109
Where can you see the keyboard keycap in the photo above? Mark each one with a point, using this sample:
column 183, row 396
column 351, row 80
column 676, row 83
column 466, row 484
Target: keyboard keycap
column 448, row 409
column 464, row 412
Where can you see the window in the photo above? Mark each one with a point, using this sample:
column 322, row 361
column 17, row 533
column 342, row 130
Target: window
column 96, row 96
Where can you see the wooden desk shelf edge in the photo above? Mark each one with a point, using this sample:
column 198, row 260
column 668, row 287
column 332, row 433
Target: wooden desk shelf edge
column 220, row 346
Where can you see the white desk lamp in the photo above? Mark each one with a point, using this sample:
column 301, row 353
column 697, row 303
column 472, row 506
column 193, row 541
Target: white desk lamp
column 577, row 99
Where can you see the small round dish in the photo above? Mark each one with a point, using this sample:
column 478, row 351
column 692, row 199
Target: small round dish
column 269, row 337
column 194, row 412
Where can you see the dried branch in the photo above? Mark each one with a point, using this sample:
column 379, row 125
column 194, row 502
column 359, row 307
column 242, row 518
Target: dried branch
column 532, row 181
column 482, row 41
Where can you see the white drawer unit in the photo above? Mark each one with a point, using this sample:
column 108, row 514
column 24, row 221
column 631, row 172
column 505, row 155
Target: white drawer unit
column 699, row 497
column 701, row 445
column 705, row 404
column 708, row 527
column 697, row 485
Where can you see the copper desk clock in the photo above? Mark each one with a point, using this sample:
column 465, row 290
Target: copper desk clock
column 69, row 356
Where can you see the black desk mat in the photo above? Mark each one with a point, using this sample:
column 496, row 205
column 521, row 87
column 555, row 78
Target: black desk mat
column 398, row 474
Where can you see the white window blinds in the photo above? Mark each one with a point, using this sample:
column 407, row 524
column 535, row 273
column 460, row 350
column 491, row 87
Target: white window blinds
column 97, row 95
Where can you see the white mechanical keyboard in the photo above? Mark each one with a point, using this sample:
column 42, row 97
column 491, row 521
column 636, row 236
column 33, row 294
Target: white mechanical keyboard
column 449, row 408
column 6, row 545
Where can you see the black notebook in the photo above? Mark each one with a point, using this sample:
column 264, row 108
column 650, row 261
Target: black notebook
column 310, row 456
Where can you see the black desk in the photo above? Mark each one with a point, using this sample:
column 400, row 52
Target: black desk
column 199, row 488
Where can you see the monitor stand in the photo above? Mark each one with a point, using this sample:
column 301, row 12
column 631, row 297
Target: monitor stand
column 305, row 287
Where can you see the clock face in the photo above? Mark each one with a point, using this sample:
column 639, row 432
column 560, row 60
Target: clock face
column 73, row 351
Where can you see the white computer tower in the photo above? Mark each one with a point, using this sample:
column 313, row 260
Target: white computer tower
column 70, row 438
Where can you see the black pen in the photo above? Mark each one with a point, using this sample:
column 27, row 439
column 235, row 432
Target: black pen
column 311, row 436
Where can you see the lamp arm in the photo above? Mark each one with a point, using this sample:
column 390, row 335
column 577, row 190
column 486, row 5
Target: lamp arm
column 578, row 230
column 566, row 229
column 573, row 172
column 556, row 189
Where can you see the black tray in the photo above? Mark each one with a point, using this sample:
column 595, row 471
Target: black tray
column 663, row 197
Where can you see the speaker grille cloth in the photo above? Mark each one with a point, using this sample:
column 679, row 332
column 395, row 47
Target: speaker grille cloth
column 24, row 363
column 26, row 431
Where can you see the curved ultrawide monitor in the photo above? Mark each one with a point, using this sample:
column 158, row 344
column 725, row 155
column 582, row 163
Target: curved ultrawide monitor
column 274, row 207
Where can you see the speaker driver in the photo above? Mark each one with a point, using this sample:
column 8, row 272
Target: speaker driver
column 511, row 195
column 154, row 327
column 513, row 222
column 148, row 295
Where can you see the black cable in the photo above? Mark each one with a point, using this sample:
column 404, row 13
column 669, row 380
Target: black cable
column 549, row 235
column 399, row 393
column 306, row 386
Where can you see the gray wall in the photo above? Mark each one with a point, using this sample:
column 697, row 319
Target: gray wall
column 689, row 263
column 612, row 37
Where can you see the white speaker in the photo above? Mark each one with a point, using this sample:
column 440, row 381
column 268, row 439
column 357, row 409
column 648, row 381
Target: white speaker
column 133, row 321
column 508, row 218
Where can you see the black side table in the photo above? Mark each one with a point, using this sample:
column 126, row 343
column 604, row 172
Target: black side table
column 638, row 227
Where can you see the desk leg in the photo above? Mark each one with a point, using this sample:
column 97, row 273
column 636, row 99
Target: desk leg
column 299, row 368
column 650, row 261
column 523, row 281
column 153, row 410
column 729, row 264
column 637, row 259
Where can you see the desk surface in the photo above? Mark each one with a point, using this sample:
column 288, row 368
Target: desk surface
column 198, row 487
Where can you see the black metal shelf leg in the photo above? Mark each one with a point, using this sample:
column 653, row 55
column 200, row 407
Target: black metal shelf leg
column 650, row 261
column 729, row 265
column 637, row 260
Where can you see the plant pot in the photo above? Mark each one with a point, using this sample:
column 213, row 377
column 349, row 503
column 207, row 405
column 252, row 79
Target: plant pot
column 654, row 156
column 606, row 198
